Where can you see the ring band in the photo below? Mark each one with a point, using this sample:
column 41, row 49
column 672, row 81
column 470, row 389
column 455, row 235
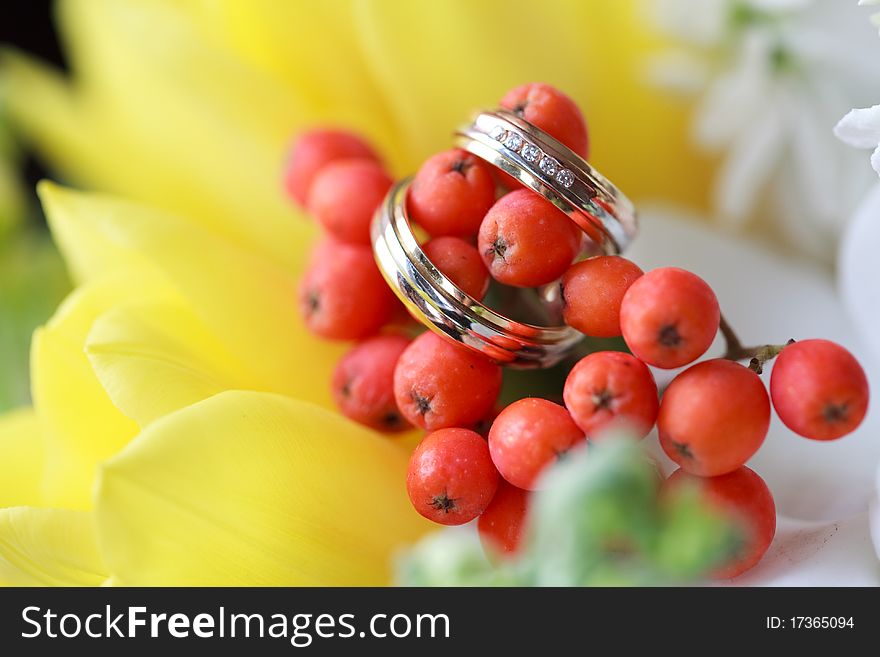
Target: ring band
column 554, row 171
column 441, row 306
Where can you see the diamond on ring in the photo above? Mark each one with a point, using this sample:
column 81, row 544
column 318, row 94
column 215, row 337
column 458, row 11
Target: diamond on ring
column 530, row 152
column 548, row 165
column 565, row 178
column 514, row 142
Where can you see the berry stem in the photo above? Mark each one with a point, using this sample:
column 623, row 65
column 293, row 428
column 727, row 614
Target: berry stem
column 757, row 356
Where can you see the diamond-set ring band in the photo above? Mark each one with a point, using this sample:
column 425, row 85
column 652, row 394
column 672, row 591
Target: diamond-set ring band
column 441, row 306
column 542, row 164
column 553, row 170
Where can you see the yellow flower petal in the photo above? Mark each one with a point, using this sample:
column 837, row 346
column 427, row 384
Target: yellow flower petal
column 595, row 50
column 251, row 488
column 80, row 424
column 21, row 459
column 49, row 547
column 209, row 107
column 290, row 41
column 155, row 358
column 249, row 303
column 162, row 115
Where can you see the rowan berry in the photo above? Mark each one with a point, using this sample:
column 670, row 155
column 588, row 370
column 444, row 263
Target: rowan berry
column 551, row 110
column 314, row 149
column 363, row 382
column 592, row 291
column 743, row 497
column 461, row 263
column 502, row 524
column 342, row 295
column 818, row 389
column 609, row 387
column 440, row 384
column 451, row 479
column 526, row 241
column 451, row 193
column 669, row 317
column 713, row 417
column 528, row 436
column 344, row 196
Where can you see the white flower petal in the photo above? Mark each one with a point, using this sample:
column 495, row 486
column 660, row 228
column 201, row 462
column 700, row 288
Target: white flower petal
column 678, row 70
column 732, row 101
column 779, row 6
column 860, row 128
column 875, row 160
column 837, row 553
column 858, row 270
column 748, row 167
column 703, row 23
column 874, row 519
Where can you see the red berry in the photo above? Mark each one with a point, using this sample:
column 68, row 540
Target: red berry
column 363, row 382
column 451, row 193
column 344, row 196
column 610, row 387
column 669, row 317
column 744, row 497
column 501, row 525
column 451, row 479
column 552, row 111
column 342, row 294
column 313, row 150
column 819, row 390
column 713, row 417
column 461, row 263
column 526, row 241
column 439, row 384
column 592, row 291
column 528, row 436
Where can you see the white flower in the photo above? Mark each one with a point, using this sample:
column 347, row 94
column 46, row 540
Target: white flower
column 774, row 76
column 876, row 17
column 861, row 128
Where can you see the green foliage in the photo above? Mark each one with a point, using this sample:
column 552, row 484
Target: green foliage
column 13, row 201
column 597, row 521
column 32, row 283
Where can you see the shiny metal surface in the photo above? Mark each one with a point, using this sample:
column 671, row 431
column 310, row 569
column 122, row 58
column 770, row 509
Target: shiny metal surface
column 521, row 150
column 435, row 301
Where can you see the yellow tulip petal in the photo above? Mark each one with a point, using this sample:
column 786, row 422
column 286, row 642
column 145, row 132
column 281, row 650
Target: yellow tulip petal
column 45, row 111
column 88, row 254
column 21, row 459
column 248, row 302
column 49, row 547
column 595, row 50
column 80, row 424
column 155, row 358
column 178, row 121
column 281, row 38
column 256, row 489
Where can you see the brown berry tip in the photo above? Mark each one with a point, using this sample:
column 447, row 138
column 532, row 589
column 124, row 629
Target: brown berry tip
column 498, row 248
column 602, row 399
column 669, row 336
column 423, row 404
column 443, row 503
column 683, row 449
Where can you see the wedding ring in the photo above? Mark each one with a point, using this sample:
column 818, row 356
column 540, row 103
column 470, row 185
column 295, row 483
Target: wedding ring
column 441, row 306
column 554, row 171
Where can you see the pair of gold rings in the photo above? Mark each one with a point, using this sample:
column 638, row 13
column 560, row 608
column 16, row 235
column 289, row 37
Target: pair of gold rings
column 545, row 166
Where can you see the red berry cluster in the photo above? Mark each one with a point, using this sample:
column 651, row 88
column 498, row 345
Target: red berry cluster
column 710, row 419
